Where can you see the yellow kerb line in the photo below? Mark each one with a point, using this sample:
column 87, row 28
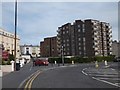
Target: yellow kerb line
column 29, row 82
column 30, row 85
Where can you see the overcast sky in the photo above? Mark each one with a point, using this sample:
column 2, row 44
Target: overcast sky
column 37, row 20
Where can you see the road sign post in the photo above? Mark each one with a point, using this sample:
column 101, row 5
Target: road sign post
column 96, row 64
column 62, row 56
column 72, row 62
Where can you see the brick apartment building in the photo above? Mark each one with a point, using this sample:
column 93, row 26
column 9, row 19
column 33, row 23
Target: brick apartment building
column 48, row 47
column 98, row 38
column 84, row 38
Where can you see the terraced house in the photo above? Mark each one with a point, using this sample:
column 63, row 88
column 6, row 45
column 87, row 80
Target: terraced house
column 7, row 42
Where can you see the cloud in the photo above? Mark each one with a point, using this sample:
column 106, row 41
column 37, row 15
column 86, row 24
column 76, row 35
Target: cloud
column 37, row 20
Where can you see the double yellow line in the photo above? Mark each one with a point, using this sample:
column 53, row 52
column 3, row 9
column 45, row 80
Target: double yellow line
column 28, row 85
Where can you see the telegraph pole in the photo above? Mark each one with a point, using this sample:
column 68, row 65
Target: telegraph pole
column 15, row 33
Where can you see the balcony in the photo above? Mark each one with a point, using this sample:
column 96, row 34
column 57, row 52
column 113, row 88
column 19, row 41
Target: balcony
column 110, row 31
column 110, row 36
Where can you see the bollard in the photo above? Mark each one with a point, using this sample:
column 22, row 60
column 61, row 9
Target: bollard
column 96, row 64
column 12, row 62
column 55, row 62
column 72, row 62
column 106, row 63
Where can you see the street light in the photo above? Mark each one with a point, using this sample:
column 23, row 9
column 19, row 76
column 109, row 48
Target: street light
column 15, row 33
column 62, row 56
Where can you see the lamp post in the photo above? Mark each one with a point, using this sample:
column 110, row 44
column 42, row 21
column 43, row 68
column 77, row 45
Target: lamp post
column 15, row 33
column 62, row 56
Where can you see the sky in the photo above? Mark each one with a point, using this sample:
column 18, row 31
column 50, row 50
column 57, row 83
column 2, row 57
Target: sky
column 38, row 20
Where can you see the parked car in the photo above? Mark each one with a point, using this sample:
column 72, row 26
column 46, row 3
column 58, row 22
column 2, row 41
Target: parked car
column 41, row 61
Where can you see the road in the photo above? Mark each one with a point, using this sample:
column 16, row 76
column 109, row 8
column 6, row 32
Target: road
column 19, row 77
column 74, row 77
column 68, row 76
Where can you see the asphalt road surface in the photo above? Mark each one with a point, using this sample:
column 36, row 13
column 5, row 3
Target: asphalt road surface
column 74, row 77
column 68, row 76
column 17, row 78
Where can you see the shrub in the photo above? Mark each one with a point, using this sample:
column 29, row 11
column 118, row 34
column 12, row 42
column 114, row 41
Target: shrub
column 3, row 63
column 8, row 62
column 11, row 57
column 53, row 59
column 81, row 59
column 107, row 58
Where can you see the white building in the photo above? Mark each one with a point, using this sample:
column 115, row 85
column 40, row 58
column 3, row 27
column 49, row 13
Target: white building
column 33, row 50
column 7, row 40
column 0, row 55
column 116, row 48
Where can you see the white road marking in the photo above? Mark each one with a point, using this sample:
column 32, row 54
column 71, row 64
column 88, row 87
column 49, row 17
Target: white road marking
column 31, row 68
column 117, row 83
column 99, row 79
column 112, row 69
column 110, row 78
column 84, row 72
column 106, row 82
column 106, row 75
column 63, row 66
column 84, row 69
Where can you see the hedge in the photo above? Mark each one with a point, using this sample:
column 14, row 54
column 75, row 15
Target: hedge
column 7, row 61
column 81, row 59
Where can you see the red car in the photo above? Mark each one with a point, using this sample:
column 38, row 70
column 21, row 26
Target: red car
column 41, row 61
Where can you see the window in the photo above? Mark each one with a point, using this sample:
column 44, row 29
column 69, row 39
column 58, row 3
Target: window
column 83, row 26
column 80, row 53
column 79, row 39
column 79, row 26
column 84, row 53
column 84, row 39
column 63, row 32
column 84, row 48
column 67, row 53
column 78, row 30
column 67, row 40
column 67, row 44
column 83, row 29
column 68, row 49
column 67, row 31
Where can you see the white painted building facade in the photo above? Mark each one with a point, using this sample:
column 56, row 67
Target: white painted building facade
column 33, row 50
column 7, row 40
column 116, row 48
